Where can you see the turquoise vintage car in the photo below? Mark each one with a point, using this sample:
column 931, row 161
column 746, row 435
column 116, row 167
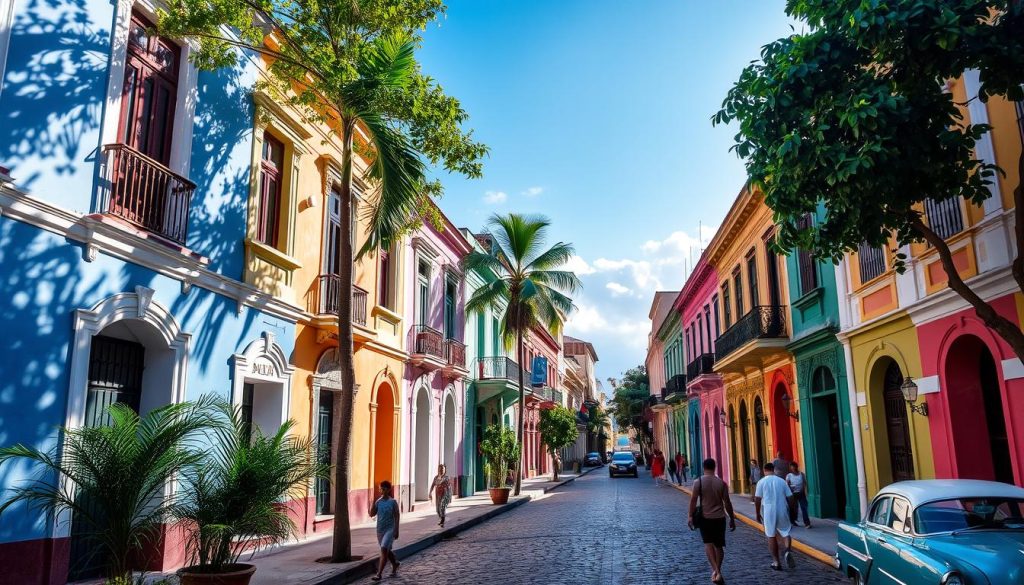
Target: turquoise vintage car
column 937, row 532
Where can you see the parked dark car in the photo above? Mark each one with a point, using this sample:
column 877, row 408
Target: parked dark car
column 593, row 460
column 623, row 463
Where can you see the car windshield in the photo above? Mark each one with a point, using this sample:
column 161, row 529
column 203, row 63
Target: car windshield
column 623, row 458
column 969, row 513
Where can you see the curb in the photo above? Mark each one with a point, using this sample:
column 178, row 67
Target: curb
column 571, row 479
column 814, row 553
column 369, row 565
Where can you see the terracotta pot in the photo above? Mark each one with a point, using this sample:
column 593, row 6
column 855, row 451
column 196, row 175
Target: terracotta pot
column 498, row 495
column 238, row 574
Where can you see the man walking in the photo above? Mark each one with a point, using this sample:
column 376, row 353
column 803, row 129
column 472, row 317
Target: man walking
column 673, row 470
column 797, row 482
column 772, row 499
column 715, row 505
column 754, row 477
column 781, row 465
column 681, row 464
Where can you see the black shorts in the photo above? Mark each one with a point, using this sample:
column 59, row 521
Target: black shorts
column 712, row 531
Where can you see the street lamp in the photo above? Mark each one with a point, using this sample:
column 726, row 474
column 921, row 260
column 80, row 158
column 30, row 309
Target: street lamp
column 785, row 402
column 909, row 390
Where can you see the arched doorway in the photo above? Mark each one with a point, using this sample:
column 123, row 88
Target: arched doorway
column 421, row 462
column 760, row 440
column 745, row 442
column 707, row 437
column 450, row 453
column 980, row 443
column 826, row 429
column 718, row 442
column 384, row 437
column 695, row 456
column 892, row 424
column 783, row 429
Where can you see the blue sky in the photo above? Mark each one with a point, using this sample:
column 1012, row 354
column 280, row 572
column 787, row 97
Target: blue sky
column 598, row 116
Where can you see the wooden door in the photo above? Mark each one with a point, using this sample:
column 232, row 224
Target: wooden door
column 897, row 425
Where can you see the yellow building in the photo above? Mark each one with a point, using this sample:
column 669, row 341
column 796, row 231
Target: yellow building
column 294, row 226
column 751, row 332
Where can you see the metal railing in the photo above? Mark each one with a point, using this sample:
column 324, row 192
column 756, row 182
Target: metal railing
column 499, row 368
column 765, row 321
column 676, row 383
column 871, row 261
column 944, row 217
column 428, row 341
column 455, row 353
column 703, row 364
column 147, row 194
column 327, row 293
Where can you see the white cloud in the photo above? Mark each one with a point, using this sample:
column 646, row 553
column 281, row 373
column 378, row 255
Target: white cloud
column 579, row 266
column 495, row 197
column 533, row 191
column 617, row 289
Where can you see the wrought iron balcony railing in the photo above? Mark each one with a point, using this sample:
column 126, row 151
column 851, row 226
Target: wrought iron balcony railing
column 455, row 353
column 147, row 194
column 762, row 322
column 327, row 293
column 499, row 368
column 428, row 341
column 703, row 364
column 676, row 383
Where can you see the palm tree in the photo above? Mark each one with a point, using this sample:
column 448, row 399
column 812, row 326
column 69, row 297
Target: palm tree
column 399, row 175
column 111, row 479
column 531, row 283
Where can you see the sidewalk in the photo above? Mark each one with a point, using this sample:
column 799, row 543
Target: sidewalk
column 296, row 563
column 818, row 542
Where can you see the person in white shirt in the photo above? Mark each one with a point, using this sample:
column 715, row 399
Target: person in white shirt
column 798, row 483
column 772, row 499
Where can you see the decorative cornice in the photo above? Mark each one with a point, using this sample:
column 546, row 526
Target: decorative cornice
column 99, row 235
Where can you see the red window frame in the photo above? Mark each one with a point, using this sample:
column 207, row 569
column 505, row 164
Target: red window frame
column 271, row 173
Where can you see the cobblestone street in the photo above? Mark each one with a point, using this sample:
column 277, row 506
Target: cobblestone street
column 599, row 530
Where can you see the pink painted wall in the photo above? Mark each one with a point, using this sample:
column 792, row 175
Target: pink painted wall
column 698, row 292
column 949, row 348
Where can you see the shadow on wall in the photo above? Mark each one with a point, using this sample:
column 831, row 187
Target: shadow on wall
column 54, row 83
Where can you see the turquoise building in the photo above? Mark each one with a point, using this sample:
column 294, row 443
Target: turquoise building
column 824, row 397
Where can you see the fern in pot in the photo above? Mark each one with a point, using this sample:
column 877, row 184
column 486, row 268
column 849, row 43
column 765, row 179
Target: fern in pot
column 234, row 499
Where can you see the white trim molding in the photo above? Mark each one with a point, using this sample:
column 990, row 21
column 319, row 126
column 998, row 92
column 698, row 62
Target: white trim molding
column 6, row 18
column 140, row 306
column 263, row 361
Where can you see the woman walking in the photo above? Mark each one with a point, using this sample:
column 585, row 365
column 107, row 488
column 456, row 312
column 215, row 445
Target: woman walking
column 441, row 492
column 658, row 467
column 385, row 508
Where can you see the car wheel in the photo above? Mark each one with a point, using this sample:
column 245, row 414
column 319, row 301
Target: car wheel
column 855, row 578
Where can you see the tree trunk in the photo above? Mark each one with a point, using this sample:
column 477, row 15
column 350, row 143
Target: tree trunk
column 342, row 545
column 554, row 466
column 519, row 422
column 1005, row 328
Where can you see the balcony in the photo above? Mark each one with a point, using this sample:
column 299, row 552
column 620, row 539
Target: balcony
column 547, row 394
column 455, row 357
column 762, row 332
column 676, row 383
column 500, row 368
column 703, row 365
column 428, row 348
column 327, row 294
column 147, row 194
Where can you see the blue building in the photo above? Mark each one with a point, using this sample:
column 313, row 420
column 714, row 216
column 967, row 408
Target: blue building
column 127, row 198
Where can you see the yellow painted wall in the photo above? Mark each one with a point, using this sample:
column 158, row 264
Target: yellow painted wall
column 892, row 338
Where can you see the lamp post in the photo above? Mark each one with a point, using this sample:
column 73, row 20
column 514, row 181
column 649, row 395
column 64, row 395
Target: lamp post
column 786, row 400
column 909, row 390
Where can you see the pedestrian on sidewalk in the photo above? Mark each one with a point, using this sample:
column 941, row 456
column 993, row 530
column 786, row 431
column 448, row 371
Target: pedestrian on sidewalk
column 798, row 484
column 715, row 505
column 441, row 492
column 673, row 470
column 385, row 508
column 772, row 499
column 658, row 467
column 781, row 465
column 684, row 466
column 754, row 477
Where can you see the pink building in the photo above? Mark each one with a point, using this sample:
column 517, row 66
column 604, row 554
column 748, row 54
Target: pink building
column 435, row 373
column 707, row 420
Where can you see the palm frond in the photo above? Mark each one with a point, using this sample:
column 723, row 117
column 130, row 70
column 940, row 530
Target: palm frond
column 552, row 258
column 560, row 279
column 483, row 262
column 519, row 236
column 487, row 296
column 389, row 62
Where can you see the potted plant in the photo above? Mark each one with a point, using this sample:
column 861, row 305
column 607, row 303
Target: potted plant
column 501, row 451
column 233, row 499
column 118, row 511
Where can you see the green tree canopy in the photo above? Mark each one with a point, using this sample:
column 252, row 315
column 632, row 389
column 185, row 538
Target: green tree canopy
column 558, row 429
column 854, row 112
column 630, row 400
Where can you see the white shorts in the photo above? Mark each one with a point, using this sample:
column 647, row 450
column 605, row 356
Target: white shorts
column 776, row 521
